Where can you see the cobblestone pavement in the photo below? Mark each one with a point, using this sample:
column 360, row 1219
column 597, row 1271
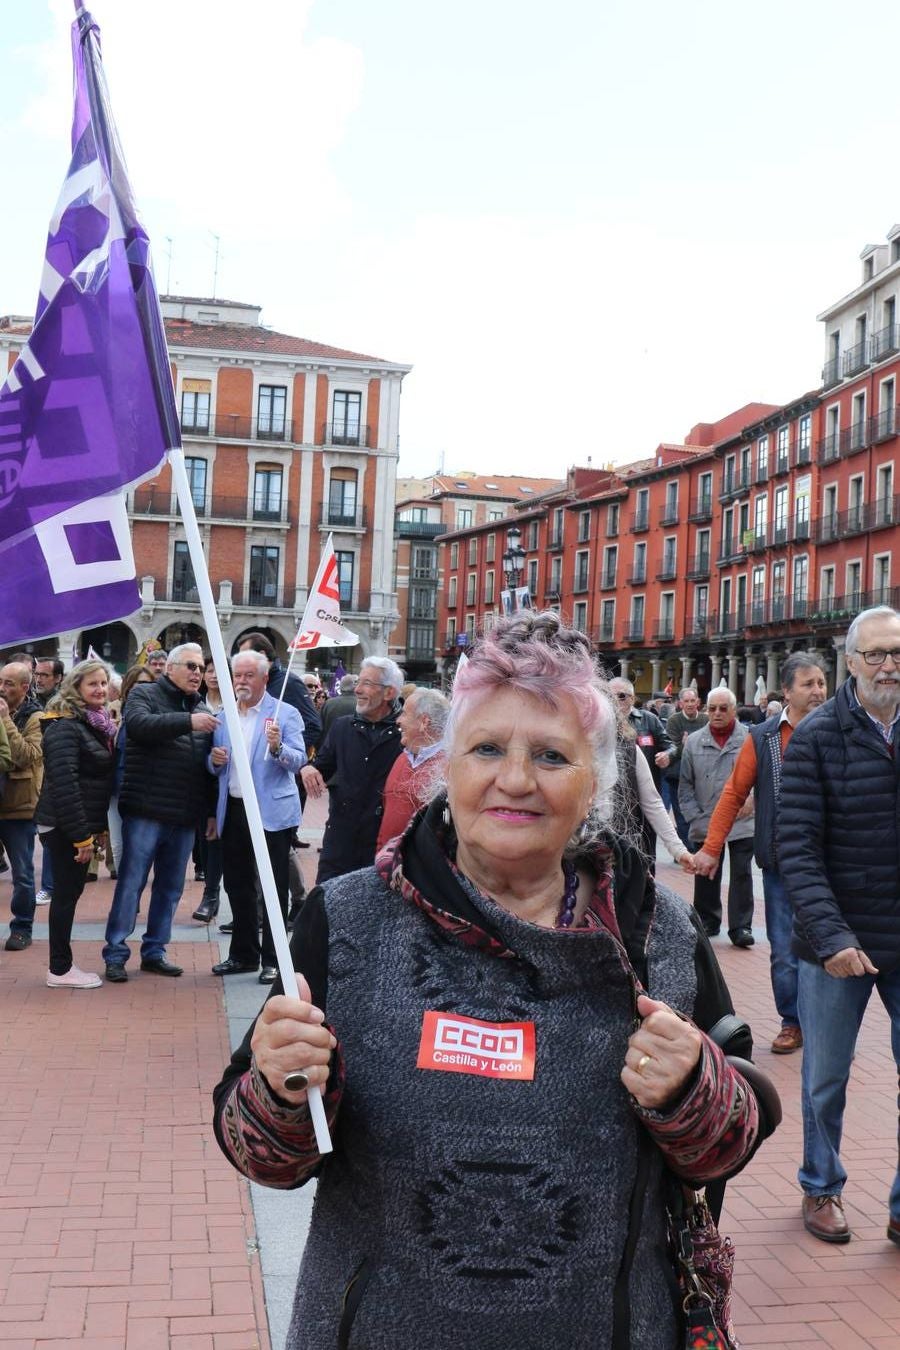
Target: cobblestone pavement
column 123, row 1228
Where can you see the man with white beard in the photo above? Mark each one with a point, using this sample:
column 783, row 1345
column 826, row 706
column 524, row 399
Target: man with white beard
column 839, row 857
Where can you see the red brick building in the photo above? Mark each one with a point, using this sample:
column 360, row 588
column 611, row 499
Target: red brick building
column 285, row 440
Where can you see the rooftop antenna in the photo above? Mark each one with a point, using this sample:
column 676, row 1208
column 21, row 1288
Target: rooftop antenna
column 215, row 266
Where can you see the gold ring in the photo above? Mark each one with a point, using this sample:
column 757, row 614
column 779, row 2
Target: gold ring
column 644, row 1059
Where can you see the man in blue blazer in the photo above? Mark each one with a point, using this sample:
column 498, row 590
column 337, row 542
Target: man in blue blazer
column 277, row 753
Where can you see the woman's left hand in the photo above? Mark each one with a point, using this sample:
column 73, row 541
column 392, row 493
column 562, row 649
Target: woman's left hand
column 662, row 1055
column 84, row 855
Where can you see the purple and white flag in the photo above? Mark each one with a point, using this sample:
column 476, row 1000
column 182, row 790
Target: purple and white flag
column 339, row 673
column 88, row 409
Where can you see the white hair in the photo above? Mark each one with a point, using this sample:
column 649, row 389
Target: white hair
column 391, row 674
column 260, row 660
column 174, row 657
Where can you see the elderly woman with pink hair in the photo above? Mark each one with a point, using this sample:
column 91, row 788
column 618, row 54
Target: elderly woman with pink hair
column 514, row 1056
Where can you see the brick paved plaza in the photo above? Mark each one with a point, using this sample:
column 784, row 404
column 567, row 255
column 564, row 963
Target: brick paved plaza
column 122, row 1227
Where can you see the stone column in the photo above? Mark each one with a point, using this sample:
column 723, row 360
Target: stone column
column 840, row 673
column 716, row 670
column 750, row 679
column 624, row 665
column 771, row 669
column 655, row 673
column 733, row 672
column 687, row 665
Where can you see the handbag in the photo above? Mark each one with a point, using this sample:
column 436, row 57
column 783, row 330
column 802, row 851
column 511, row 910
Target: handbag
column 704, row 1268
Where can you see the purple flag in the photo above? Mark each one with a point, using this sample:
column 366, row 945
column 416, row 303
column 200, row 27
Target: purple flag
column 89, row 408
column 339, row 673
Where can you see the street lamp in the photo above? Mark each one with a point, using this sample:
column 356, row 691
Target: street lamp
column 513, row 561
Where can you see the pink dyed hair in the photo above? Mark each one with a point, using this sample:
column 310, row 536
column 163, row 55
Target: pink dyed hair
column 534, row 654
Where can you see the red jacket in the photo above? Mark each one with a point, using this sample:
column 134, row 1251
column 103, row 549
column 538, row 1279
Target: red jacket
column 405, row 790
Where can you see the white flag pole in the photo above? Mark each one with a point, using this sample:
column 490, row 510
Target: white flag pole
column 242, row 764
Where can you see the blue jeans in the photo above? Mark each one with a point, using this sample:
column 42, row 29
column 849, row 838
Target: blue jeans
column 18, row 840
column 782, row 961
column 831, row 1012
column 146, row 844
column 47, row 872
column 669, row 792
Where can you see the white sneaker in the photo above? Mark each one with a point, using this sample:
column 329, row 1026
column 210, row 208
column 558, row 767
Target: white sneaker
column 73, row 979
column 43, row 898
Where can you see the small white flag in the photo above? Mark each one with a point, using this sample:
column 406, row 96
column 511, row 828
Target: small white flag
column 321, row 624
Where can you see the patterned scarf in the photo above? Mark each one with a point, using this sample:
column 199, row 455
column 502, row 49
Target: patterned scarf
column 100, row 719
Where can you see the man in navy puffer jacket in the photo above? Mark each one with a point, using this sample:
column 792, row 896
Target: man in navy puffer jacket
column 839, row 849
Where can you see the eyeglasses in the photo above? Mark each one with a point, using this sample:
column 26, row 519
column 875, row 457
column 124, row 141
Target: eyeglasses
column 877, row 657
column 718, row 707
column 190, row 665
column 624, row 696
column 369, row 684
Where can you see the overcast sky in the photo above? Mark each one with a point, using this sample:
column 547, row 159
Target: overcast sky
column 587, row 224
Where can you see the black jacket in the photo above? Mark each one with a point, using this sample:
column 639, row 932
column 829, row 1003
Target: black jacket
column 297, row 695
column 165, row 776
column 839, row 834
column 651, row 738
column 355, row 758
column 344, row 705
column 78, row 774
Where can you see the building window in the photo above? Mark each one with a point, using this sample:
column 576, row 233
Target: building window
column 669, row 565
column 271, row 409
column 424, row 564
column 881, row 579
column 780, row 516
column 556, row 537
column 884, row 504
column 556, row 576
column 473, row 551
column 762, row 459
column 264, row 576
column 195, row 406
column 608, row 621
column 470, row 588
column 584, row 526
column 784, row 436
column 488, row 588
column 345, row 412
column 184, row 587
column 701, row 607
column 420, row 640
column 854, row 584
column 642, row 509
column 639, row 567
column 800, row 588
column 196, row 470
column 582, row 566
column 532, row 534
column 612, row 519
column 610, row 565
column 422, row 602
column 346, row 562
column 451, row 630
column 490, row 547
column 760, row 519
column 804, row 437
column 532, row 576
column 579, row 616
column 667, row 614
column 342, row 495
column 463, row 517
column 495, row 515
column 451, row 593
column 779, row 586
column 637, row 617
column 470, row 628
column 454, row 555
column 826, row 588
column 267, row 493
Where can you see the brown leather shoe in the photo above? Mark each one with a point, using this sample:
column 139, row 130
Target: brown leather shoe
column 787, row 1041
column 823, row 1216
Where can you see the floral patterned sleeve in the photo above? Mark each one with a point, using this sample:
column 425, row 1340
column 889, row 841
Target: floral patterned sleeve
column 268, row 1139
column 714, row 1129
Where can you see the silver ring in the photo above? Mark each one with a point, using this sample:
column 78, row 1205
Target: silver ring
column 296, row 1080
column 644, row 1059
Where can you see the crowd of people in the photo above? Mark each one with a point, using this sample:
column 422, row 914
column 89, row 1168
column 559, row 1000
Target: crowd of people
column 487, row 953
